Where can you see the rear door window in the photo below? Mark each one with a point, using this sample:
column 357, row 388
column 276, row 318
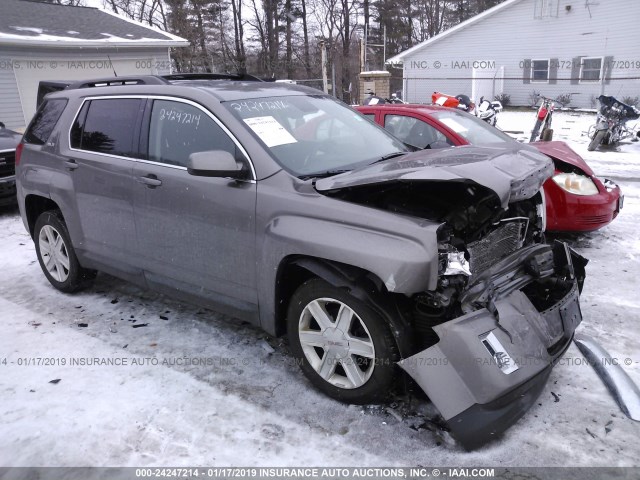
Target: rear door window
column 415, row 132
column 44, row 121
column 107, row 126
column 178, row 129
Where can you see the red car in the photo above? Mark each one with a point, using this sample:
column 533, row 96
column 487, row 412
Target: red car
column 576, row 199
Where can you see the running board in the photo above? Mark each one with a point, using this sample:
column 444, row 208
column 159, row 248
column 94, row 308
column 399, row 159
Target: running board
column 625, row 392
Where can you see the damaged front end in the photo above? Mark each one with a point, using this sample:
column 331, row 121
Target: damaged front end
column 488, row 366
column 503, row 305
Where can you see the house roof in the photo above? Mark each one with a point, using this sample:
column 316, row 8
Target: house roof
column 481, row 16
column 25, row 22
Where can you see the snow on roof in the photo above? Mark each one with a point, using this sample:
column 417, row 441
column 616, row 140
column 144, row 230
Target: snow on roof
column 481, row 16
column 33, row 23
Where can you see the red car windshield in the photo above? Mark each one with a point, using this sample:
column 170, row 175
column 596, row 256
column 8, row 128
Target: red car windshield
column 472, row 129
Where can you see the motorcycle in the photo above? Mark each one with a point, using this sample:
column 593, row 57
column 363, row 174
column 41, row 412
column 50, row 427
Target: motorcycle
column 395, row 98
column 486, row 110
column 610, row 127
column 544, row 117
column 373, row 99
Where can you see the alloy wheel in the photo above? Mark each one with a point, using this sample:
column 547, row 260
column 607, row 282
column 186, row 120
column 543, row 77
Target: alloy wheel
column 336, row 343
column 53, row 251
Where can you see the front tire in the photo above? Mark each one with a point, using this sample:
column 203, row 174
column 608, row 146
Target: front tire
column 343, row 346
column 56, row 255
column 536, row 130
column 547, row 135
column 597, row 140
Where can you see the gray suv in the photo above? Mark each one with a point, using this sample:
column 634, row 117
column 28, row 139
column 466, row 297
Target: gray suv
column 280, row 205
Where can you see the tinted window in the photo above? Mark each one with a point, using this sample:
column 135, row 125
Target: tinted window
column 415, row 132
column 76, row 129
column 45, row 119
column 177, row 130
column 108, row 127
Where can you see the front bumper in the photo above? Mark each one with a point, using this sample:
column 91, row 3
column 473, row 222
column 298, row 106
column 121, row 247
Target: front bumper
column 8, row 190
column 567, row 212
column 488, row 368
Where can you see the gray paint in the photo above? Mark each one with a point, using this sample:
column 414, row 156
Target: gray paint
column 459, row 372
column 221, row 242
column 513, row 174
column 624, row 391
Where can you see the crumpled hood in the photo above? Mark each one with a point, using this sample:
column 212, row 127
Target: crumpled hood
column 563, row 153
column 512, row 173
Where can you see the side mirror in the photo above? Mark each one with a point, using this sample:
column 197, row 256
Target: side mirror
column 214, row 163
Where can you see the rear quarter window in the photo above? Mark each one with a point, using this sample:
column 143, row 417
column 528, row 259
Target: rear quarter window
column 107, row 126
column 44, row 121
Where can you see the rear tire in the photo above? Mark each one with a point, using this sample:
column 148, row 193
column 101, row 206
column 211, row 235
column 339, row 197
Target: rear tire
column 56, row 255
column 343, row 346
column 597, row 140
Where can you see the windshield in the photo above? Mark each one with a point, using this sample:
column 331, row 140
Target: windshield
column 472, row 129
column 314, row 135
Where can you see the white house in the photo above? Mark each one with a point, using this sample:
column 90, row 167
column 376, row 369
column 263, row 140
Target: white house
column 580, row 47
column 45, row 41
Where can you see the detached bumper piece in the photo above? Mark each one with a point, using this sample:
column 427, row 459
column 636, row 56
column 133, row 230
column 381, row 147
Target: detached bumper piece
column 490, row 365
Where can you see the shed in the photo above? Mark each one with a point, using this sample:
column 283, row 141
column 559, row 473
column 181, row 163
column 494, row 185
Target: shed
column 46, row 41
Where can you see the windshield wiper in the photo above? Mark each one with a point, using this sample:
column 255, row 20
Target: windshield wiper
column 326, row 173
column 388, row 157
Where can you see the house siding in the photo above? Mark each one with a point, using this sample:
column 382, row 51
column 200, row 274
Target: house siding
column 506, row 40
column 10, row 108
column 21, row 69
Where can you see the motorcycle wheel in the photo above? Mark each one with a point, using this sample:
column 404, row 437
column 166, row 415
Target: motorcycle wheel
column 547, row 135
column 597, row 140
column 536, row 130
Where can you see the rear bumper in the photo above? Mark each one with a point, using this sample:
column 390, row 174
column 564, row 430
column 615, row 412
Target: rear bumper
column 8, row 190
column 567, row 212
column 485, row 373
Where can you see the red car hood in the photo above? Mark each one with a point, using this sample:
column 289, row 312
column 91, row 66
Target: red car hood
column 561, row 152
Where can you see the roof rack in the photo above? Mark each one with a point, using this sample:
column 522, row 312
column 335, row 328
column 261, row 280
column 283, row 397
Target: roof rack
column 119, row 81
column 161, row 79
column 242, row 77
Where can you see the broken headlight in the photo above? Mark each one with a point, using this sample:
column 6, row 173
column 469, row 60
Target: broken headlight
column 576, row 184
column 453, row 262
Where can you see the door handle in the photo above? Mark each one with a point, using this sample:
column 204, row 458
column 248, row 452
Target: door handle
column 150, row 181
column 71, row 164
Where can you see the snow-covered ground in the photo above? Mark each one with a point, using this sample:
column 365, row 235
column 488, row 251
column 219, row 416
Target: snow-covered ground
column 192, row 387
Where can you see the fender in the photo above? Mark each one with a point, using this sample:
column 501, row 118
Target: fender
column 366, row 287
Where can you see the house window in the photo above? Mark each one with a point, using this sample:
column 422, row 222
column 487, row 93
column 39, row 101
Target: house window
column 540, row 71
column 546, row 9
column 591, row 69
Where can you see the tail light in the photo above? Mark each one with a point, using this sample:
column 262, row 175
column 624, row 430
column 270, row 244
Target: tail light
column 19, row 153
column 542, row 113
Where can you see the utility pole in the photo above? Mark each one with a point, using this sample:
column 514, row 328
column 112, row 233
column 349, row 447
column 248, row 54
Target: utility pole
column 323, row 60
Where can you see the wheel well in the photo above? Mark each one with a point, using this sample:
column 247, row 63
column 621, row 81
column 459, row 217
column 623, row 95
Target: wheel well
column 290, row 276
column 35, row 205
column 362, row 284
